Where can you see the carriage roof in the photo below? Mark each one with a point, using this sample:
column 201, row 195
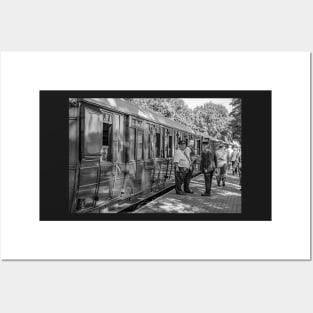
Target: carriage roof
column 132, row 109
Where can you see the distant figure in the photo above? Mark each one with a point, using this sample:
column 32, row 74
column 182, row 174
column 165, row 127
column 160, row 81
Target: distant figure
column 221, row 164
column 190, row 154
column 181, row 166
column 234, row 159
column 229, row 151
column 207, row 167
column 239, row 167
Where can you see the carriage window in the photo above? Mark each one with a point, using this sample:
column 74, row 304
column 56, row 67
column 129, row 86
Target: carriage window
column 106, row 142
column 149, row 146
column 139, row 140
column 132, row 144
column 198, row 147
column 170, row 147
column 158, row 144
column 163, row 143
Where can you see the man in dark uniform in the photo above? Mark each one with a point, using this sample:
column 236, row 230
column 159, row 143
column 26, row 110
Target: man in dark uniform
column 207, row 167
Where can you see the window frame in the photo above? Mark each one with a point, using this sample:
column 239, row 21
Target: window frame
column 139, row 132
column 158, row 144
column 137, row 126
column 107, row 118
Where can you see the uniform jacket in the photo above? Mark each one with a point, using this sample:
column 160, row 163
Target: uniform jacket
column 208, row 161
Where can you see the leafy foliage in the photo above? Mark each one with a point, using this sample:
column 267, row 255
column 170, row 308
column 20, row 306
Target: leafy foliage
column 173, row 108
column 236, row 121
column 213, row 119
column 209, row 117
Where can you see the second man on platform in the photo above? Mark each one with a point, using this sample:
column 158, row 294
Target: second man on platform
column 181, row 167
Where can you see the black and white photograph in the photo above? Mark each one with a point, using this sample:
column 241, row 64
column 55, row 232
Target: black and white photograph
column 155, row 155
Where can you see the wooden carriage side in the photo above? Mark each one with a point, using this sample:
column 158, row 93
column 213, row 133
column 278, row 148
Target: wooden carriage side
column 118, row 151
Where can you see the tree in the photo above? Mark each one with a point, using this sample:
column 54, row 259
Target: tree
column 235, row 124
column 173, row 108
column 213, row 119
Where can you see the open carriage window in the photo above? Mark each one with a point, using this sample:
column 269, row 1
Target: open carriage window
column 106, row 150
column 170, row 147
column 149, row 146
column 158, row 145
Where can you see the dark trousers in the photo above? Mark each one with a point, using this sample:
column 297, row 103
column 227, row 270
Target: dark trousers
column 179, row 179
column 221, row 174
column 234, row 165
column 187, row 180
column 208, row 181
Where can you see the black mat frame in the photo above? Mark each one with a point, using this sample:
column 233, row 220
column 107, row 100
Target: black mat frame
column 256, row 151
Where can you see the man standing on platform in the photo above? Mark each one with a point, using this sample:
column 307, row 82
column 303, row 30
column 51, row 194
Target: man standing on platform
column 190, row 154
column 234, row 159
column 181, row 167
column 221, row 164
column 239, row 166
column 207, row 167
column 229, row 151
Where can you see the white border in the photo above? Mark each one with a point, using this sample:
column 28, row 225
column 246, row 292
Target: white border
column 23, row 236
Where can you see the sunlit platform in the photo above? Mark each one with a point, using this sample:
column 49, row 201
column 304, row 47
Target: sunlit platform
column 223, row 199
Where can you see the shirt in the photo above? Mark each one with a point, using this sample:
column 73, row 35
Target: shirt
column 221, row 156
column 189, row 153
column 234, row 155
column 229, row 153
column 181, row 159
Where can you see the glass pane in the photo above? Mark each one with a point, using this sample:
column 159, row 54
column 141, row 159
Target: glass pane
column 106, row 150
column 158, row 145
column 131, row 144
column 121, row 139
column 93, row 125
column 149, row 146
column 73, row 143
column 139, row 144
column 170, row 146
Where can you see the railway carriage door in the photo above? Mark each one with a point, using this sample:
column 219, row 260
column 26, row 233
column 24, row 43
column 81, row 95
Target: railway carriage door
column 96, row 157
column 106, row 179
column 90, row 152
column 118, row 165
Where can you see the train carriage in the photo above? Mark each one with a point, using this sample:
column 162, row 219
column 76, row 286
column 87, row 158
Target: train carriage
column 118, row 151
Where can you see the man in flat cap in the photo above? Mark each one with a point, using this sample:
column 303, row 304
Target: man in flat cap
column 181, row 166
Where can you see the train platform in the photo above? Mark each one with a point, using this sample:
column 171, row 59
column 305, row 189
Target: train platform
column 223, row 199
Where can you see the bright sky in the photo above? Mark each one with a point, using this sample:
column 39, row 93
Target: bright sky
column 193, row 102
